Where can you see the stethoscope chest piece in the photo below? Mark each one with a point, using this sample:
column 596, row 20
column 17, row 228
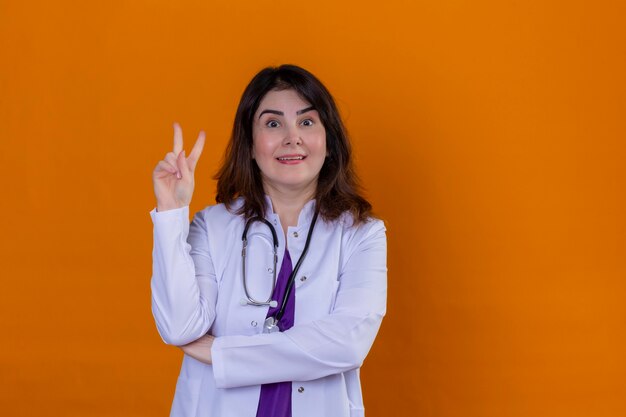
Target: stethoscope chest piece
column 270, row 325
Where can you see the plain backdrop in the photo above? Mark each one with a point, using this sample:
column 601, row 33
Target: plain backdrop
column 489, row 136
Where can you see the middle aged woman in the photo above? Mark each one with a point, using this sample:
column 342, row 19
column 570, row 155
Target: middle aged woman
column 271, row 323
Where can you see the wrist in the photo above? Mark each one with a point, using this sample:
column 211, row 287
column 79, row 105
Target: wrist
column 165, row 207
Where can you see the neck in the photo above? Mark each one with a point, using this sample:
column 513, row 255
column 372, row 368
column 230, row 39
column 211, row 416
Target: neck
column 289, row 203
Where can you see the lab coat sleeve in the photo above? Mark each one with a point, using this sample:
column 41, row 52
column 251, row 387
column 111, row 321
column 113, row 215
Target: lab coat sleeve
column 184, row 289
column 332, row 344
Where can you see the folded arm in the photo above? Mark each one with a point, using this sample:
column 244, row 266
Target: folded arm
column 332, row 344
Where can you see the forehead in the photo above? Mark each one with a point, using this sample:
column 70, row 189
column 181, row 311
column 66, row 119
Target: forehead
column 288, row 101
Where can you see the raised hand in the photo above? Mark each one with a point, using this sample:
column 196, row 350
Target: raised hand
column 173, row 177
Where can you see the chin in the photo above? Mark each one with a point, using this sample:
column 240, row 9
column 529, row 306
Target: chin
column 294, row 184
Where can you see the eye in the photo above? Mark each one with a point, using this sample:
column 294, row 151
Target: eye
column 272, row 123
column 307, row 122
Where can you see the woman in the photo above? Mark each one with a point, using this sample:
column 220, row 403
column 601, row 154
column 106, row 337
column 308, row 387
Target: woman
column 276, row 323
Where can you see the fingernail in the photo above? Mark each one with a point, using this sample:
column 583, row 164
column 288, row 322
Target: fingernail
column 184, row 155
column 178, row 175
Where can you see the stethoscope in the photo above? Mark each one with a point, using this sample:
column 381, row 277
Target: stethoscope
column 271, row 323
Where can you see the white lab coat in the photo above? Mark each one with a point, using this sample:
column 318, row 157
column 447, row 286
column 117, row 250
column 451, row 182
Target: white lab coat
column 340, row 291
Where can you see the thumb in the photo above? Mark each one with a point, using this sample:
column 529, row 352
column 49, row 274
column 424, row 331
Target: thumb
column 183, row 167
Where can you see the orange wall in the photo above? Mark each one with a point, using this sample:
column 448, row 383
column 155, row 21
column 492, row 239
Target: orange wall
column 490, row 136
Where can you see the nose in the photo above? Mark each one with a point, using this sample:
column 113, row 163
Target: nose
column 292, row 137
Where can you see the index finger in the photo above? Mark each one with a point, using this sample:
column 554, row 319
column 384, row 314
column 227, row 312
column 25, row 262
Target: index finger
column 178, row 139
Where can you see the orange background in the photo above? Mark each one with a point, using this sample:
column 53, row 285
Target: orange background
column 490, row 137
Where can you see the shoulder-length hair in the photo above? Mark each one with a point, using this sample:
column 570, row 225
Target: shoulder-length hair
column 338, row 189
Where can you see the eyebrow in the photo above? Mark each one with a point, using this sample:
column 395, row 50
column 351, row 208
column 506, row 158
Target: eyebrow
column 280, row 113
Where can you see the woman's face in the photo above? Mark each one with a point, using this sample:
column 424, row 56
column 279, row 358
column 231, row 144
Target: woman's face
column 288, row 142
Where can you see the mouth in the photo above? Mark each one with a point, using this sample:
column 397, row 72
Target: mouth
column 290, row 158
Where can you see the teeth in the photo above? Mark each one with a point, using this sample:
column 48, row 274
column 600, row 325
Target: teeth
column 291, row 158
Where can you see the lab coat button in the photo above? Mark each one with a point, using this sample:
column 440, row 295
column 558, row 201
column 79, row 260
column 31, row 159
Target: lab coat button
column 295, row 234
column 302, row 278
column 253, row 324
column 270, row 270
column 301, row 389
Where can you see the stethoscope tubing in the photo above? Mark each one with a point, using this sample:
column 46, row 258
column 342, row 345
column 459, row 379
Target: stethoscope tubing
column 244, row 239
column 293, row 274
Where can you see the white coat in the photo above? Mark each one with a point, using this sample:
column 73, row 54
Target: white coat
column 197, row 286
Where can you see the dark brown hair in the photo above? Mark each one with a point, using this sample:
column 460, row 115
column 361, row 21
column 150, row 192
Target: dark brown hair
column 338, row 189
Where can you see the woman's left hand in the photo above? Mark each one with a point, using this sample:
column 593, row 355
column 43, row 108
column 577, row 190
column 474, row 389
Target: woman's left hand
column 200, row 349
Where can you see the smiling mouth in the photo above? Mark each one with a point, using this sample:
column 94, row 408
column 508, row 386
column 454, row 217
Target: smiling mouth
column 291, row 158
